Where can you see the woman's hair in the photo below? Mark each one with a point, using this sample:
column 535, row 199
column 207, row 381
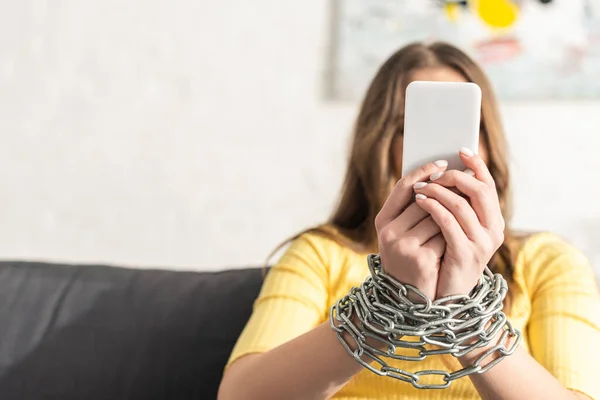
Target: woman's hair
column 370, row 175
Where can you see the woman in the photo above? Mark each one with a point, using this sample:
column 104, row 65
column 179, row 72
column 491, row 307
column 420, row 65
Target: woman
column 440, row 243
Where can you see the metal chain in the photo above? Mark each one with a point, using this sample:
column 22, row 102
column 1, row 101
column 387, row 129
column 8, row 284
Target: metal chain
column 454, row 325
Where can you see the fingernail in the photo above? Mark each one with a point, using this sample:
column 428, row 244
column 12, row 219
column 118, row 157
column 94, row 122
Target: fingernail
column 466, row 152
column 420, row 196
column 441, row 163
column 419, row 185
column 435, row 176
column 469, row 172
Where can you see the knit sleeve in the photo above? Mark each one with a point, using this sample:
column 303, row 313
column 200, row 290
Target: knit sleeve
column 564, row 327
column 292, row 301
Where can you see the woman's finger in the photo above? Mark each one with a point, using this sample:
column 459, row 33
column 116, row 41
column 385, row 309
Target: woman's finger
column 453, row 233
column 410, row 217
column 475, row 163
column 424, row 230
column 483, row 199
column 402, row 193
column 457, row 205
column 437, row 244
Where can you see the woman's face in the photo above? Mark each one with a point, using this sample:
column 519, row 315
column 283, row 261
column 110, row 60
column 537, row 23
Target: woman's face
column 440, row 74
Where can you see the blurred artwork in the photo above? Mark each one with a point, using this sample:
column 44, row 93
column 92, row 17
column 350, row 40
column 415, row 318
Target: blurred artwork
column 531, row 49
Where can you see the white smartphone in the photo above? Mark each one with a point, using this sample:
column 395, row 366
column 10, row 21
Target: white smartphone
column 439, row 119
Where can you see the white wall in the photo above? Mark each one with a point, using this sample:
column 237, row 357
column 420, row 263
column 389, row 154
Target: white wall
column 196, row 135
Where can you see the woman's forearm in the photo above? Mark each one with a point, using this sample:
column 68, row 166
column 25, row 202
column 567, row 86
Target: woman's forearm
column 518, row 377
column 312, row 366
column 316, row 366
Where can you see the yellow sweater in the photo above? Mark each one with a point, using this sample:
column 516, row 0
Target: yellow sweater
column 555, row 304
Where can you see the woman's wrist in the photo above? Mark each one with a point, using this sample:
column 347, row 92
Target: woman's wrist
column 470, row 357
column 499, row 346
column 368, row 340
column 378, row 320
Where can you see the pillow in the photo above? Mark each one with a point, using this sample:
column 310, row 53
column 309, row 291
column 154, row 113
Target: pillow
column 100, row 332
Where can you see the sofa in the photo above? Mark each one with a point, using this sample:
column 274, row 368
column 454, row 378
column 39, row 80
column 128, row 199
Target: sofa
column 96, row 332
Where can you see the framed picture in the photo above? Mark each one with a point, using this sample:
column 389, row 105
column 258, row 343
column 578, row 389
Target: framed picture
column 531, row 49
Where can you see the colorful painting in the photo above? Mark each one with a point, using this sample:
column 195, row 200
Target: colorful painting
column 531, row 49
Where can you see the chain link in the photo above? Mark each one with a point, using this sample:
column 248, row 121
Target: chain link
column 455, row 324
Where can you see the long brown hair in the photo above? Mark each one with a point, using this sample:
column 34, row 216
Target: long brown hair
column 370, row 174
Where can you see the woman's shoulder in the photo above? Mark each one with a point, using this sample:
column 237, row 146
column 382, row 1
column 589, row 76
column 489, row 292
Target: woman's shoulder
column 545, row 255
column 323, row 243
column 323, row 249
column 323, row 240
column 533, row 245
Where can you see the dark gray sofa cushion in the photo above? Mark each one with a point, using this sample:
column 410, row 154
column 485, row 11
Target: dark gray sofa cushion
column 100, row 332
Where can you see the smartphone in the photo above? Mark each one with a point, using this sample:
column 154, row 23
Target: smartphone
column 439, row 119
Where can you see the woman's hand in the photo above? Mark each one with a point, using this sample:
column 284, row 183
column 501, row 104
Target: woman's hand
column 410, row 243
column 473, row 230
